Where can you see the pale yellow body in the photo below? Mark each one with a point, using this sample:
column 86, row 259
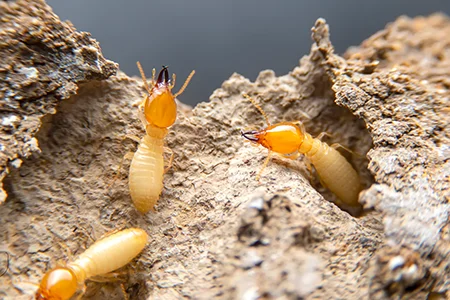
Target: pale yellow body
column 109, row 254
column 335, row 172
column 146, row 173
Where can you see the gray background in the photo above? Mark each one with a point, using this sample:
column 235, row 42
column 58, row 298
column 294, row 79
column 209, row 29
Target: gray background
column 217, row 38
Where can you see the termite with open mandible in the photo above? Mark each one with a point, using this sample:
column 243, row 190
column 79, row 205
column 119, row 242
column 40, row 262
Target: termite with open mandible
column 290, row 140
column 158, row 111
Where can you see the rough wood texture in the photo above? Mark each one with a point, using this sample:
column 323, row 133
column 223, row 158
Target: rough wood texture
column 41, row 61
column 219, row 233
column 398, row 82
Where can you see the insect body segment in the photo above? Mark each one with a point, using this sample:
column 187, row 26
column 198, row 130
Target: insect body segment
column 104, row 256
column 146, row 173
column 290, row 140
column 160, row 108
column 335, row 172
column 158, row 111
column 283, row 138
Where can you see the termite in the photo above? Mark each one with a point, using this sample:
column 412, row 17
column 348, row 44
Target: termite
column 158, row 111
column 290, row 140
column 103, row 257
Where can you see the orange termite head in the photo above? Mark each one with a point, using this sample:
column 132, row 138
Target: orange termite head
column 58, row 284
column 284, row 138
column 161, row 109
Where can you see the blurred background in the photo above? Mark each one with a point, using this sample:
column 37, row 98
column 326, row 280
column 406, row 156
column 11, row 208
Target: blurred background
column 217, row 38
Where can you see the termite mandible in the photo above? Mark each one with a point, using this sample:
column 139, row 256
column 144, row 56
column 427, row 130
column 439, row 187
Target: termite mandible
column 103, row 257
column 290, row 140
column 158, row 111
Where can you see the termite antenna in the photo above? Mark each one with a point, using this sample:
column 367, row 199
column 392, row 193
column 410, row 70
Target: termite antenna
column 185, row 84
column 257, row 107
column 144, row 79
column 174, row 78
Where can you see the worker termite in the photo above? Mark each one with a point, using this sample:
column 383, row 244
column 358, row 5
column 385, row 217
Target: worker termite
column 290, row 140
column 158, row 111
column 103, row 257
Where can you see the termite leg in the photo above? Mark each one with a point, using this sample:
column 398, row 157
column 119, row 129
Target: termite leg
column 106, row 234
column 60, row 263
column 322, row 183
column 266, row 162
column 112, row 277
column 127, row 156
column 309, row 168
column 109, row 277
column 88, row 233
column 141, row 114
column 322, row 134
column 83, row 291
column 133, row 137
column 292, row 156
column 124, row 291
column 308, row 117
column 68, row 253
column 337, row 145
column 299, row 125
column 169, row 164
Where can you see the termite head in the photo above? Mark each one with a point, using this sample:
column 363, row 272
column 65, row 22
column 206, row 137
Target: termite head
column 161, row 109
column 59, row 283
column 283, row 138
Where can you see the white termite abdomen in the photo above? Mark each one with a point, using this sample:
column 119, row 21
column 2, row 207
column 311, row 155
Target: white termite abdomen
column 146, row 173
column 111, row 252
column 335, row 172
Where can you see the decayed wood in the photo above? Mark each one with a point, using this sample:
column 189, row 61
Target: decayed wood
column 219, row 233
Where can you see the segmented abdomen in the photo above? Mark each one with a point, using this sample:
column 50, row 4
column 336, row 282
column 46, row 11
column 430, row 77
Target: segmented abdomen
column 112, row 252
column 146, row 173
column 336, row 173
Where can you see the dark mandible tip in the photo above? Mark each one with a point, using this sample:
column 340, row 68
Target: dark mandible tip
column 250, row 135
column 163, row 76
